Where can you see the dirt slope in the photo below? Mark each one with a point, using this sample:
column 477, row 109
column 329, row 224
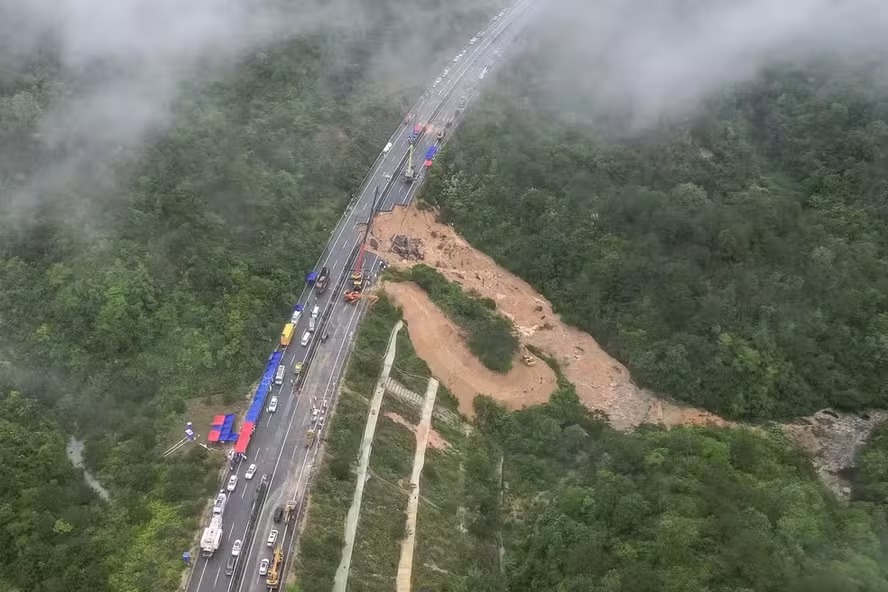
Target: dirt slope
column 602, row 383
column 439, row 342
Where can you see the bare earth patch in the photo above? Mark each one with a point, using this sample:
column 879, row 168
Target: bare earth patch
column 602, row 383
column 435, row 439
column 440, row 343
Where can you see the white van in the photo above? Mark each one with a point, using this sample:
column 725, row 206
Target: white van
column 387, row 148
column 312, row 322
column 279, row 375
column 315, row 312
column 295, row 318
column 305, row 338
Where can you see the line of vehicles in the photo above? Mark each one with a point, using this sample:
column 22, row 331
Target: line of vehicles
column 270, row 567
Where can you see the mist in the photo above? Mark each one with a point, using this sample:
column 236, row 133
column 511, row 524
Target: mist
column 124, row 63
column 649, row 60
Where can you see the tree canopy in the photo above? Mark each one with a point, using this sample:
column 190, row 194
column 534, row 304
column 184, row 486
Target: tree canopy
column 584, row 508
column 735, row 259
column 127, row 301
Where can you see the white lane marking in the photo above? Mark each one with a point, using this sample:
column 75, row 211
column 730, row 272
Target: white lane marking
column 270, row 483
column 373, row 172
column 202, row 572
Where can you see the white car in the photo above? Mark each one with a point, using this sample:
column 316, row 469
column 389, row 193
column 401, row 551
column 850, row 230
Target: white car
column 295, row 318
column 273, row 405
column 272, row 537
column 232, row 483
column 445, row 72
column 235, row 549
column 473, row 40
column 263, row 567
column 456, row 59
column 251, row 470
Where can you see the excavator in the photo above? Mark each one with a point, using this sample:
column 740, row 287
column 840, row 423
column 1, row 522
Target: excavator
column 273, row 580
column 527, row 357
column 355, row 291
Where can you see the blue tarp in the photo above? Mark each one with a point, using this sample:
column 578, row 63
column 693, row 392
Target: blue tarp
column 430, row 153
column 298, row 307
column 226, row 433
column 258, row 403
column 311, row 276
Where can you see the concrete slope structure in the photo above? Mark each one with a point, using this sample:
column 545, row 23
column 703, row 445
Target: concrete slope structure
column 405, row 564
column 354, row 511
column 279, row 443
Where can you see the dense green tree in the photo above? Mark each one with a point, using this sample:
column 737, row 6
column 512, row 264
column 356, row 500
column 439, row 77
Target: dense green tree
column 120, row 307
column 681, row 509
column 736, row 259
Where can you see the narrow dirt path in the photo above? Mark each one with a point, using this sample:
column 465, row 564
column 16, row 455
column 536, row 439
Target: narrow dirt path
column 351, row 519
column 405, row 565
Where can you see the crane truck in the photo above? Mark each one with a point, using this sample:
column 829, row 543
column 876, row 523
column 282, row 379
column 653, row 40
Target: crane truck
column 212, row 537
column 353, row 292
column 409, row 172
column 212, row 534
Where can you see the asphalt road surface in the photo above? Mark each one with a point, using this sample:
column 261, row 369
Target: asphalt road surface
column 279, row 446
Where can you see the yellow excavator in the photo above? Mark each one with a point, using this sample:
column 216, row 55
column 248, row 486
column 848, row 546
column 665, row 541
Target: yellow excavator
column 273, row 580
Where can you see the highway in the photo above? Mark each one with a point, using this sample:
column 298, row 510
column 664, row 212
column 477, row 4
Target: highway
column 278, row 446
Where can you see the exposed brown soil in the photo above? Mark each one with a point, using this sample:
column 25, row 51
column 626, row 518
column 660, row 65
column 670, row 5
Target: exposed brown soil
column 435, row 439
column 602, row 383
column 440, row 343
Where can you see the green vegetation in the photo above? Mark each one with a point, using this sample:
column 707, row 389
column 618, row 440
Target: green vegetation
column 409, row 369
column 587, row 508
column 736, row 260
column 442, row 546
column 871, row 469
column 381, row 526
column 49, row 520
column 121, row 308
column 490, row 336
column 331, row 493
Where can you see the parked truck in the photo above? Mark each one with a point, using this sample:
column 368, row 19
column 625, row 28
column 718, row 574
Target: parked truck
column 212, row 537
column 219, row 504
column 321, row 282
column 290, row 511
column 287, row 334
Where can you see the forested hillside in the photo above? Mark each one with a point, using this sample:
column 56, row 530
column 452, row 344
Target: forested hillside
column 583, row 507
column 167, row 282
column 735, row 258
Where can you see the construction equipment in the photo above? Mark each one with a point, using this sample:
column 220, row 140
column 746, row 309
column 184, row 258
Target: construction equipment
column 353, row 292
column 527, row 357
column 290, row 511
column 273, row 580
column 212, row 537
column 410, row 171
column 321, row 281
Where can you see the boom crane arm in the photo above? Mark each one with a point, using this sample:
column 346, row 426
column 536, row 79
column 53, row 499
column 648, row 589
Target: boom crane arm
column 357, row 277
